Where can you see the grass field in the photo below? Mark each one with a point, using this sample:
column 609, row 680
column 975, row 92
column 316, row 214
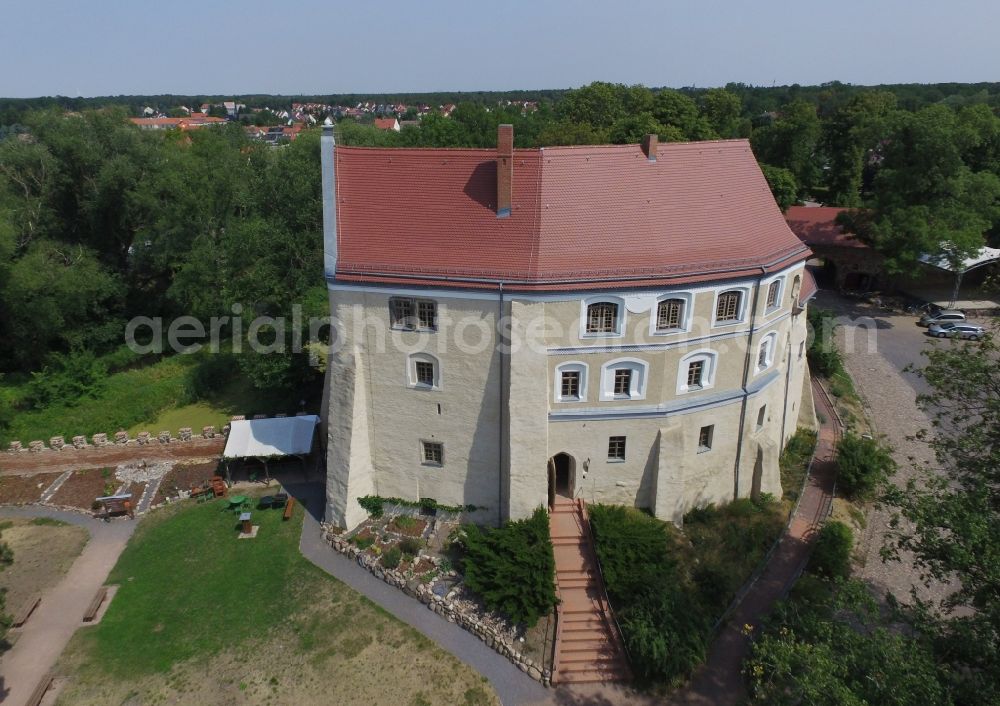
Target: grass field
column 153, row 398
column 202, row 617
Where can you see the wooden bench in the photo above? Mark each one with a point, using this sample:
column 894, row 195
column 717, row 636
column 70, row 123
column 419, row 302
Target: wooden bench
column 95, row 605
column 39, row 693
column 289, row 506
column 21, row 616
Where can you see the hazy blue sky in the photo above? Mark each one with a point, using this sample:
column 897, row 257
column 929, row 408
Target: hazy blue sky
column 101, row 47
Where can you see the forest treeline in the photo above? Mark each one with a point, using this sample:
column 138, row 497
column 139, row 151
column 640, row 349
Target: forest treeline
column 101, row 221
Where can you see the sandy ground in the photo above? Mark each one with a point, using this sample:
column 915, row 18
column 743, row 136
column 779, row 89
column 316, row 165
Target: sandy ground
column 42, row 555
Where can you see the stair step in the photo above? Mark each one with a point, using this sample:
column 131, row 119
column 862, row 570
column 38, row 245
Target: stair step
column 605, row 655
column 582, row 621
column 581, row 641
column 585, row 676
column 565, row 584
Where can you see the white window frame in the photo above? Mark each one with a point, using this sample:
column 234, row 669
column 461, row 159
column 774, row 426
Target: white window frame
column 711, row 438
column 779, row 300
column 771, row 341
column 742, row 309
column 624, row 456
column 569, row 367
column 710, row 359
column 685, row 326
column 637, row 384
column 620, row 319
column 411, row 371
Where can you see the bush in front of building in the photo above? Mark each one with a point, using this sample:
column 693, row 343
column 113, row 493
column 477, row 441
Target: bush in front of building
column 663, row 622
column 831, row 555
column 863, row 464
column 511, row 568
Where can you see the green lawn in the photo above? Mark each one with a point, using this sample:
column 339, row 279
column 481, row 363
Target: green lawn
column 153, row 398
column 203, row 617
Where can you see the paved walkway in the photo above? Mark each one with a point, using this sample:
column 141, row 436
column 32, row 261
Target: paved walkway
column 719, row 681
column 511, row 684
column 60, row 613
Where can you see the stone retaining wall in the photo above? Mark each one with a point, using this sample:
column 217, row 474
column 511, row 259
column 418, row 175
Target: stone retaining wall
column 452, row 608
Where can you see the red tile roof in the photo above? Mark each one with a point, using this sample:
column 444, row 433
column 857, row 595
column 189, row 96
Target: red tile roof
column 385, row 123
column 582, row 218
column 816, row 225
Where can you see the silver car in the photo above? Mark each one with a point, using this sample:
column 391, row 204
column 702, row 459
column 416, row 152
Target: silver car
column 969, row 331
column 945, row 316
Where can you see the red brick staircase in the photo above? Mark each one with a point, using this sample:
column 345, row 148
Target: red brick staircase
column 588, row 646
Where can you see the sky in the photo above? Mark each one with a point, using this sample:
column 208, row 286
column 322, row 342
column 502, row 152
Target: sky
column 114, row 47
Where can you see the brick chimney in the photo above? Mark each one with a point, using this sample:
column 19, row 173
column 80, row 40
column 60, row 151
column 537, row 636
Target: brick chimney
column 505, row 168
column 649, row 145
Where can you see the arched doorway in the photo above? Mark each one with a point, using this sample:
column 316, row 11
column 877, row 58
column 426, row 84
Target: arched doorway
column 562, row 476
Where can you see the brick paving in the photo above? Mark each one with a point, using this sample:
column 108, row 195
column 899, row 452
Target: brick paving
column 719, row 681
column 588, row 648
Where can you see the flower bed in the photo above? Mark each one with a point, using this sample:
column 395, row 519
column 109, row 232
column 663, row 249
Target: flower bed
column 22, row 490
column 181, row 477
column 83, row 486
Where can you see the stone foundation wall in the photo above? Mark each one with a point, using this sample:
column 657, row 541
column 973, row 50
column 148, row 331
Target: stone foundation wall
column 496, row 633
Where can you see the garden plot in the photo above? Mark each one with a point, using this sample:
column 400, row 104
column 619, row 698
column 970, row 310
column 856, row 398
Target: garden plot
column 23, row 490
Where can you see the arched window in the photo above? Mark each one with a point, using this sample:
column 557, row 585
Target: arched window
column 623, row 379
column 602, row 316
column 765, row 351
column 772, row 300
column 696, row 371
column 423, row 371
column 671, row 314
column 571, row 382
column 729, row 306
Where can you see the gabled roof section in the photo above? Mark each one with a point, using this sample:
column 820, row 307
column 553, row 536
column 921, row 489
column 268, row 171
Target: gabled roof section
column 817, row 225
column 582, row 217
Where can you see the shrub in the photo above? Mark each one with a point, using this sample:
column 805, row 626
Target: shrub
column 831, row 556
column 66, row 378
column 405, row 522
column 512, row 569
column 824, row 358
column 391, row 558
column 362, row 543
column 862, row 465
column 410, row 546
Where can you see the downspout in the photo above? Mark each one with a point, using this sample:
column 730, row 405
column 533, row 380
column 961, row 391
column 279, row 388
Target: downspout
column 746, row 381
column 788, row 381
column 504, row 452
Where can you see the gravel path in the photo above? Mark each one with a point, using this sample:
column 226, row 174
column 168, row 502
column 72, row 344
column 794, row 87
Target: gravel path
column 890, row 395
column 60, row 613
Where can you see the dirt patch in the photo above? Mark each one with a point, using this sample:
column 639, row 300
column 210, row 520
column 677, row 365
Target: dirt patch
column 407, row 526
column 43, row 553
column 83, row 486
column 182, row 477
column 21, row 490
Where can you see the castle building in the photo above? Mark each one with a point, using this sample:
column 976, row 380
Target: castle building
column 619, row 323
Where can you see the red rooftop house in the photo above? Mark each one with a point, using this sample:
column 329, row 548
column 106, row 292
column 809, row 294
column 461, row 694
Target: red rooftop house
column 848, row 263
column 522, row 327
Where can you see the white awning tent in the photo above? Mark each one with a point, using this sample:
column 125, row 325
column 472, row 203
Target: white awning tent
column 984, row 257
column 271, row 438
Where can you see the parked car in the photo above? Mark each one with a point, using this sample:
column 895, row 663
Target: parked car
column 957, row 330
column 944, row 316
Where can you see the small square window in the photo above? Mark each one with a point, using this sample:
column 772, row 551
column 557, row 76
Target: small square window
column 570, row 388
column 761, row 416
column 762, row 355
column 616, row 448
column 425, row 373
column 696, row 372
column 433, row 453
column 401, row 313
column 413, row 314
column 705, row 437
column 623, row 382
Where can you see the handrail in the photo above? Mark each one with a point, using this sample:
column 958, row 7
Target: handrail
column 606, row 602
column 558, row 635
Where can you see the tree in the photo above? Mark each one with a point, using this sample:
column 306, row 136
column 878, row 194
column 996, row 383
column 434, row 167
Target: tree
column 851, row 136
column 782, row 184
column 723, row 111
column 949, row 517
column 674, row 109
column 791, row 142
